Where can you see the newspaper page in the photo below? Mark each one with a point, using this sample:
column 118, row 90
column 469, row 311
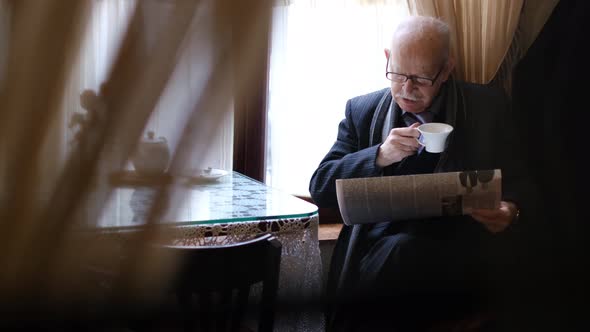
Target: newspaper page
column 390, row 198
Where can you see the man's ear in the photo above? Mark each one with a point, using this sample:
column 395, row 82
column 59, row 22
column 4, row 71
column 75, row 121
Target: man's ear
column 387, row 53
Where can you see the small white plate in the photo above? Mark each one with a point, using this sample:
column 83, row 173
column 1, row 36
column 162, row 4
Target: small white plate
column 211, row 174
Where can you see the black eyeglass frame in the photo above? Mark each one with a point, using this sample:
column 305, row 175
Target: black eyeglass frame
column 415, row 79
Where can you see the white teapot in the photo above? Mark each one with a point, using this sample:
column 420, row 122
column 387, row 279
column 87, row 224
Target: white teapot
column 152, row 155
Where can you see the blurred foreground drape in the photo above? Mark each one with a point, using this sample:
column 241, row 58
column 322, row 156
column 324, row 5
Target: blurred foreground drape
column 171, row 69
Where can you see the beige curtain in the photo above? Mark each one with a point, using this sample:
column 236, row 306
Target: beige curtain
column 489, row 36
column 481, row 32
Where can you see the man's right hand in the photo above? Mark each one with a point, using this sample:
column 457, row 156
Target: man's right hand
column 400, row 143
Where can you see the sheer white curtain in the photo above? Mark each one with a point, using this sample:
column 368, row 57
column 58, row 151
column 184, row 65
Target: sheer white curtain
column 191, row 72
column 323, row 53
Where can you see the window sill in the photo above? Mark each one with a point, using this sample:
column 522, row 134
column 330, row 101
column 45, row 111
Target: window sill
column 329, row 232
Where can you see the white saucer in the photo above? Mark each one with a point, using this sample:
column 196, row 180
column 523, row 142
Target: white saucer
column 211, row 174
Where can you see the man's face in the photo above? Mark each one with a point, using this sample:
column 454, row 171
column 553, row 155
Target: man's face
column 419, row 62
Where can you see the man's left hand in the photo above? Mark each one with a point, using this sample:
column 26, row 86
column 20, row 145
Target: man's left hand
column 496, row 220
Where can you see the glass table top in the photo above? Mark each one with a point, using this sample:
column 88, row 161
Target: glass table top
column 231, row 198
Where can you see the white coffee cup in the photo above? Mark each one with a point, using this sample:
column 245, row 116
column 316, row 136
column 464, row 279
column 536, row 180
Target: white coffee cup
column 434, row 136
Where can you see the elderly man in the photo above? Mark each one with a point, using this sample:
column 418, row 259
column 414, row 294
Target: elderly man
column 419, row 265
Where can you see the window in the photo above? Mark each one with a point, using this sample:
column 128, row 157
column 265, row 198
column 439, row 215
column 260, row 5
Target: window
column 323, row 53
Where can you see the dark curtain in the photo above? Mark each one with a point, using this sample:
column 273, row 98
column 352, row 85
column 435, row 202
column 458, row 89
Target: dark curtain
column 550, row 94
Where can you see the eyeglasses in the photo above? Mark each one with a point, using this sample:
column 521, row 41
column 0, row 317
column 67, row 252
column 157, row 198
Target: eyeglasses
column 417, row 80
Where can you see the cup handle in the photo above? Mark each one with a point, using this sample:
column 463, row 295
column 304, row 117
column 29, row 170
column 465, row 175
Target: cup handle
column 417, row 140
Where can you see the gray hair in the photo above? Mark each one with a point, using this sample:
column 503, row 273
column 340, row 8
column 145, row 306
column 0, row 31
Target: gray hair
column 414, row 28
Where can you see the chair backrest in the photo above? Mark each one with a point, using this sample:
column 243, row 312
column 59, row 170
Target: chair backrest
column 219, row 279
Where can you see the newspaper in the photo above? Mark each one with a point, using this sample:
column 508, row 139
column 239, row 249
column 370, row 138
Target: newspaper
column 390, row 198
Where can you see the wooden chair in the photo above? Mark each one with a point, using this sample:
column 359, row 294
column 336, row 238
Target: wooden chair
column 212, row 283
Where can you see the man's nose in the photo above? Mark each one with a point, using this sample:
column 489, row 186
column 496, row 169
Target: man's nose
column 408, row 85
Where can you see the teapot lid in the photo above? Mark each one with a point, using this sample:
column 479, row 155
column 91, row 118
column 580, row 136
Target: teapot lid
column 151, row 138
